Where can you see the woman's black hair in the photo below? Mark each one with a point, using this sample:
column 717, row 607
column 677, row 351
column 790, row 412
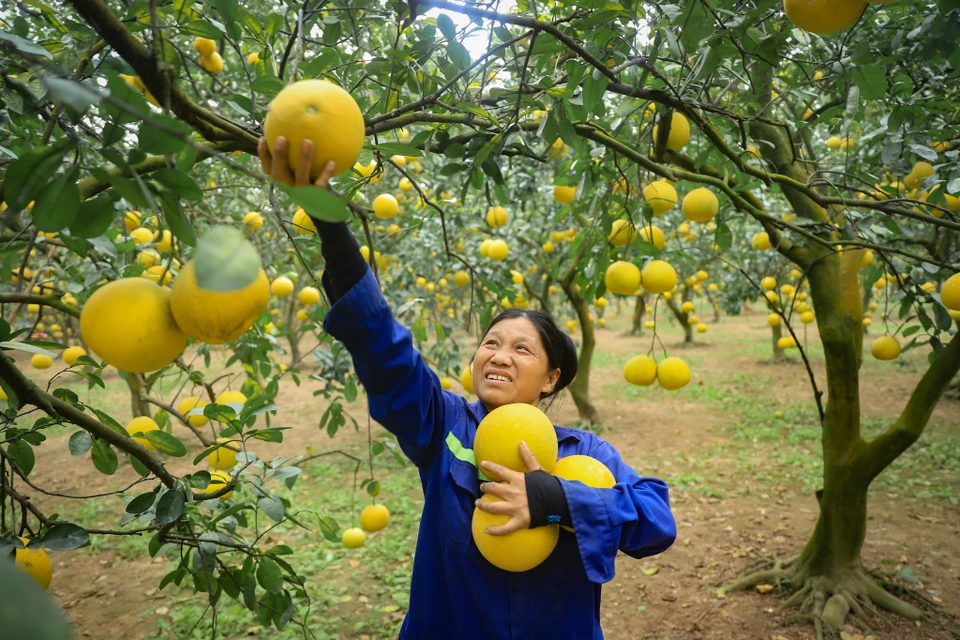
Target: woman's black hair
column 561, row 352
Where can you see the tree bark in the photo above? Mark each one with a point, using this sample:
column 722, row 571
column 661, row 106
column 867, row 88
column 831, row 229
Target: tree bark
column 682, row 319
column 137, row 406
column 580, row 387
column 639, row 308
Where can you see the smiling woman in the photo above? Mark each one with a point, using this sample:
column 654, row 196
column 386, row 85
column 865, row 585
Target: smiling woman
column 522, row 359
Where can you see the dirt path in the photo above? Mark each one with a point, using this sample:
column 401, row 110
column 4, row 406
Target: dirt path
column 728, row 516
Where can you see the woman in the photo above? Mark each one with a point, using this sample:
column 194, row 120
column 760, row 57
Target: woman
column 523, row 357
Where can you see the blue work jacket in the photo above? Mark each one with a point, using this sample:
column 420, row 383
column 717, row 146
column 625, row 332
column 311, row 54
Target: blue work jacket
column 455, row 592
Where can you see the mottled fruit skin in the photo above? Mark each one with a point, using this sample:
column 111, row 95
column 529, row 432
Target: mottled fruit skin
column 323, row 113
column 217, row 317
column 129, row 324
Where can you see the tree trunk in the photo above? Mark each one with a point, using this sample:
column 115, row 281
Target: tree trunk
column 777, row 333
column 293, row 332
column 580, row 387
column 682, row 319
column 137, row 405
column 639, row 307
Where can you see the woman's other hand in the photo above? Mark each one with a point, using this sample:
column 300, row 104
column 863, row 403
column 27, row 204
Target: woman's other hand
column 280, row 171
column 513, row 490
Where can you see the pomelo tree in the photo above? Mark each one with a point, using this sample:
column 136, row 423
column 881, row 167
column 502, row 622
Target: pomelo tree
column 820, row 148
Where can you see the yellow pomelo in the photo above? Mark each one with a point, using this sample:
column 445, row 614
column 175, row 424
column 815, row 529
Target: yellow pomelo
column 218, row 480
column 323, row 113
column 658, row 277
column 586, row 469
column 654, row 235
column 461, row 278
column 769, row 283
column 41, row 361
column 309, row 296
column 786, row 342
column 823, row 17
column 142, row 235
column 622, row 278
column 773, row 320
column 700, row 205
column 701, row 327
column 190, row 403
column 303, row 223
column 622, row 233
column 226, row 456
column 374, row 517
column 497, row 217
column 216, row 317
column 807, row 317
column 885, row 348
column 385, row 206
column 761, row 241
column 499, row 435
column 679, row 132
column 920, row 172
column 35, row 562
column 204, row 46
column 253, row 57
column 252, row 221
column 548, row 247
column 142, row 424
column 834, row 142
column 498, row 250
column 950, row 293
column 353, row 538
column 640, row 370
column 281, row 287
column 687, row 307
column 129, row 324
column 673, row 373
column 212, row 63
column 446, row 383
column 600, row 303
column 563, row 195
column 131, row 220
column 518, row 551
column 70, row 354
column 466, row 378
column 661, row 196
column 232, row 396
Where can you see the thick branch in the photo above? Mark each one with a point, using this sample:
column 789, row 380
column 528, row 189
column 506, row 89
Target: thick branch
column 54, row 302
column 877, row 454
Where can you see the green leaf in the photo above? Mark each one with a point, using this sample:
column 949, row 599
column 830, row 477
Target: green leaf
column 170, row 507
column 447, row 27
column 272, row 506
column 179, row 183
column 25, row 46
column 58, row 205
column 942, row 317
column 29, row 348
column 162, row 135
column 225, row 260
column 178, row 222
column 141, row 503
column 94, row 218
column 267, row 84
column 459, row 55
column 872, row 82
column 399, row 149
column 594, row 88
column 27, row 176
column 318, row 203
column 28, row 611
column 316, row 65
column 166, row 443
column 220, row 413
column 329, row 528
column 724, row 237
column 65, row 537
column 76, row 95
column 269, row 575
column 104, row 457
column 79, row 443
column 22, row 454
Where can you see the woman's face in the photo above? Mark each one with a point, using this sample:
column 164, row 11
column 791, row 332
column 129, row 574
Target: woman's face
column 511, row 365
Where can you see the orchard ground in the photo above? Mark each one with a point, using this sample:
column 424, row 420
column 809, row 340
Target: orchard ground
column 742, row 487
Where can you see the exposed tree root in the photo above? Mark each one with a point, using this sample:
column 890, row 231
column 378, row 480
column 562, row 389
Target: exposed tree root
column 827, row 601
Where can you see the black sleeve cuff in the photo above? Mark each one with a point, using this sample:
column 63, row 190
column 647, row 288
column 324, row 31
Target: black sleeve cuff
column 546, row 500
column 343, row 263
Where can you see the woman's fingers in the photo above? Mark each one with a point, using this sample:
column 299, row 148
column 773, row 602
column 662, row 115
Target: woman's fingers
column 501, row 506
column 498, row 471
column 266, row 160
column 499, row 489
column 528, row 458
column 326, row 174
column 305, row 164
column 514, row 524
column 279, row 169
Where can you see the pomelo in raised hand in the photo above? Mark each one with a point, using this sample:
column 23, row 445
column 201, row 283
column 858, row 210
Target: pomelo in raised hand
column 321, row 112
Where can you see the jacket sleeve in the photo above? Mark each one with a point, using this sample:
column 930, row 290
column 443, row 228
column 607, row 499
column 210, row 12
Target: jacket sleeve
column 634, row 516
column 403, row 393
